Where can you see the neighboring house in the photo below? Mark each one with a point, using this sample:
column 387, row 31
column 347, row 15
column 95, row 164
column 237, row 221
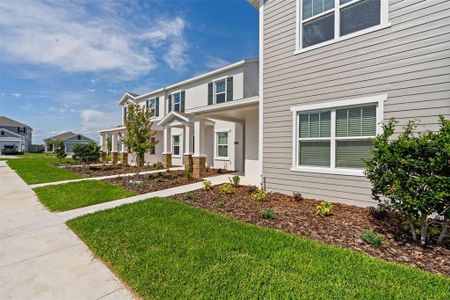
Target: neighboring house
column 333, row 71
column 210, row 120
column 69, row 139
column 15, row 134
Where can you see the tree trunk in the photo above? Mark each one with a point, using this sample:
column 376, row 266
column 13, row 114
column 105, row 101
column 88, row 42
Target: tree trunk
column 413, row 229
column 443, row 231
column 423, row 230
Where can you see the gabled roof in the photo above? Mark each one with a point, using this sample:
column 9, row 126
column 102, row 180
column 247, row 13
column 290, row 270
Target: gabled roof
column 173, row 115
column 62, row 136
column 13, row 133
column 128, row 95
column 4, row 121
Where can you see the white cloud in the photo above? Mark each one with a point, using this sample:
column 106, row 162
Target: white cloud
column 212, row 63
column 93, row 120
column 17, row 95
column 67, row 36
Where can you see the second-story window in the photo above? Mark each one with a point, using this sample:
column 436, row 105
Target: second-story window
column 177, row 102
column 327, row 20
column 220, row 91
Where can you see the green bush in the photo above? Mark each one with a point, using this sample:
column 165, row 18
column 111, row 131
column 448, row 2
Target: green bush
column 410, row 174
column 218, row 204
column 268, row 214
column 59, row 148
column 226, row 189
column 207, row 185
column 158, row 165
column 188, row 174
column 235, row 180
column 324, row 209
column 259, row 195
column 189, row 196
column 372, row 238
column 87, row 153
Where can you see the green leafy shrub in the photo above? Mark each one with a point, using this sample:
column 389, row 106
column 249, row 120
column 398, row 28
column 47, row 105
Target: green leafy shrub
column 218, row 204
column 235, row 180
column 226, row 188
column 158, row 165
column 410, row 175
column 324, row 209
column 60, row 148
column 259, row 195
column 175, row 181
column 188, row 174
column 87, row 153
column 189, row 196
column 268, row 214
column 207, row 185
column 372, row 238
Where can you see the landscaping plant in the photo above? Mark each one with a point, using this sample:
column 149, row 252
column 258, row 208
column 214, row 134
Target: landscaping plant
column 268, row 214
column 139, row 127
column 87, row 153
column 324, row 209
column 259, row 195
column 411, row 174
column 207, row 185
column 297, row 196
column 218, row 204
column 226, row 188
column 235, row 180
column 372, row 238
column 60, row 149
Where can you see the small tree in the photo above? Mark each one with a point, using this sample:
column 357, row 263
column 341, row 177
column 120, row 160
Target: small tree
column 59, row 148
column 411, row 174
column 86, row 153
column 140, row 131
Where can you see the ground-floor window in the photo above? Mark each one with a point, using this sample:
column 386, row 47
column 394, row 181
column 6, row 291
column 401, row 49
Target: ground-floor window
column 335, row 138
column 222, row 144
column 176, row 145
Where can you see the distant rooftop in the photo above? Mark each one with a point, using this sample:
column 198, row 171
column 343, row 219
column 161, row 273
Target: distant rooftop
column 5, row 121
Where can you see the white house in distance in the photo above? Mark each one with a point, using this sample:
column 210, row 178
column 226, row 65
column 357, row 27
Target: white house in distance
column 15, row 134
column 69, row 139
column 210, row 120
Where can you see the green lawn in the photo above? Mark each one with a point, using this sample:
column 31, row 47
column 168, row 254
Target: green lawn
column 38, row 168
column 73, row 195
column 167, row 250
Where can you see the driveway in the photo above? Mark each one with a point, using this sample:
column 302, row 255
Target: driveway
column 40, row 258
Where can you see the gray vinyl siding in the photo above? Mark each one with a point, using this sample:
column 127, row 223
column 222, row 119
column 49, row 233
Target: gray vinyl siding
column 409, row 60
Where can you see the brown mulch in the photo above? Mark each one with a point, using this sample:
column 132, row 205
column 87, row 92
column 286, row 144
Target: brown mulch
column 158, row 181
column 106, row 170
column 343, row 228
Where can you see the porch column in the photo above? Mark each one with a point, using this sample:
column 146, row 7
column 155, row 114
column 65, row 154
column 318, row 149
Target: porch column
column 199, row 157
column 124, row 151
column 114, row 154
column 167, row 154
column 188, row 145
column 103, row 148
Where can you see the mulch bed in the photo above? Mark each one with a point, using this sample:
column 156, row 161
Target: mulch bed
column 106, row 170
column 158, row 181
column 343, row 228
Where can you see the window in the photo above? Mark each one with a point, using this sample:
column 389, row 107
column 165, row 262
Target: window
column 124, row 113
column 222, row 144
column 79, row 137
column 335, row 137
column 176, row 145
column 21, row 129
column 177, row 102
column 3, row 133
column 151, row 105
column 153, row 142
column 220, row 91
column 330, row 20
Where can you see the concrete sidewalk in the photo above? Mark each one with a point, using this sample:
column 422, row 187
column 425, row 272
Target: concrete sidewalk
column 67, row 215
column 40, row 258
column 102, row 177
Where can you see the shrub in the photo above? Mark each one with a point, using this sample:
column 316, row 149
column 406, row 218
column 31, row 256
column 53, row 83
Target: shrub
column 324, row 209
column 175, row 181
column 158, row 165
column 372, row 238
column 379, row 213
column 60, row 149
column 226, row 189
column 188, row 174
column 218, row 204
column 189, row 196
column 297, row 197
column 235, row 180
column 259, row 195
column 207, row 185
column 251, row 189
column 411, row 174
column 268, row 214
column 87, row 153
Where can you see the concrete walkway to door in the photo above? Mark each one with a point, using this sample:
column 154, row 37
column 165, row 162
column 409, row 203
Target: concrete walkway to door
column 40, row 258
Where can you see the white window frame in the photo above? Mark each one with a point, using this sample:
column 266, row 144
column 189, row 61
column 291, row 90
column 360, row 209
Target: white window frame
column 378, row 100
column 216, row 155
column 384, row 23
column 179, row 145
column 152, row 106
column 224, row 79
column 173, row 101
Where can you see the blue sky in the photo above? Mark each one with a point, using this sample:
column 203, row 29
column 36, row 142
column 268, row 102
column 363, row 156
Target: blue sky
column 65, row 64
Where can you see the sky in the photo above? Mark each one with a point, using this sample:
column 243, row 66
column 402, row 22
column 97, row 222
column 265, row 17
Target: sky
column 65, row 64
